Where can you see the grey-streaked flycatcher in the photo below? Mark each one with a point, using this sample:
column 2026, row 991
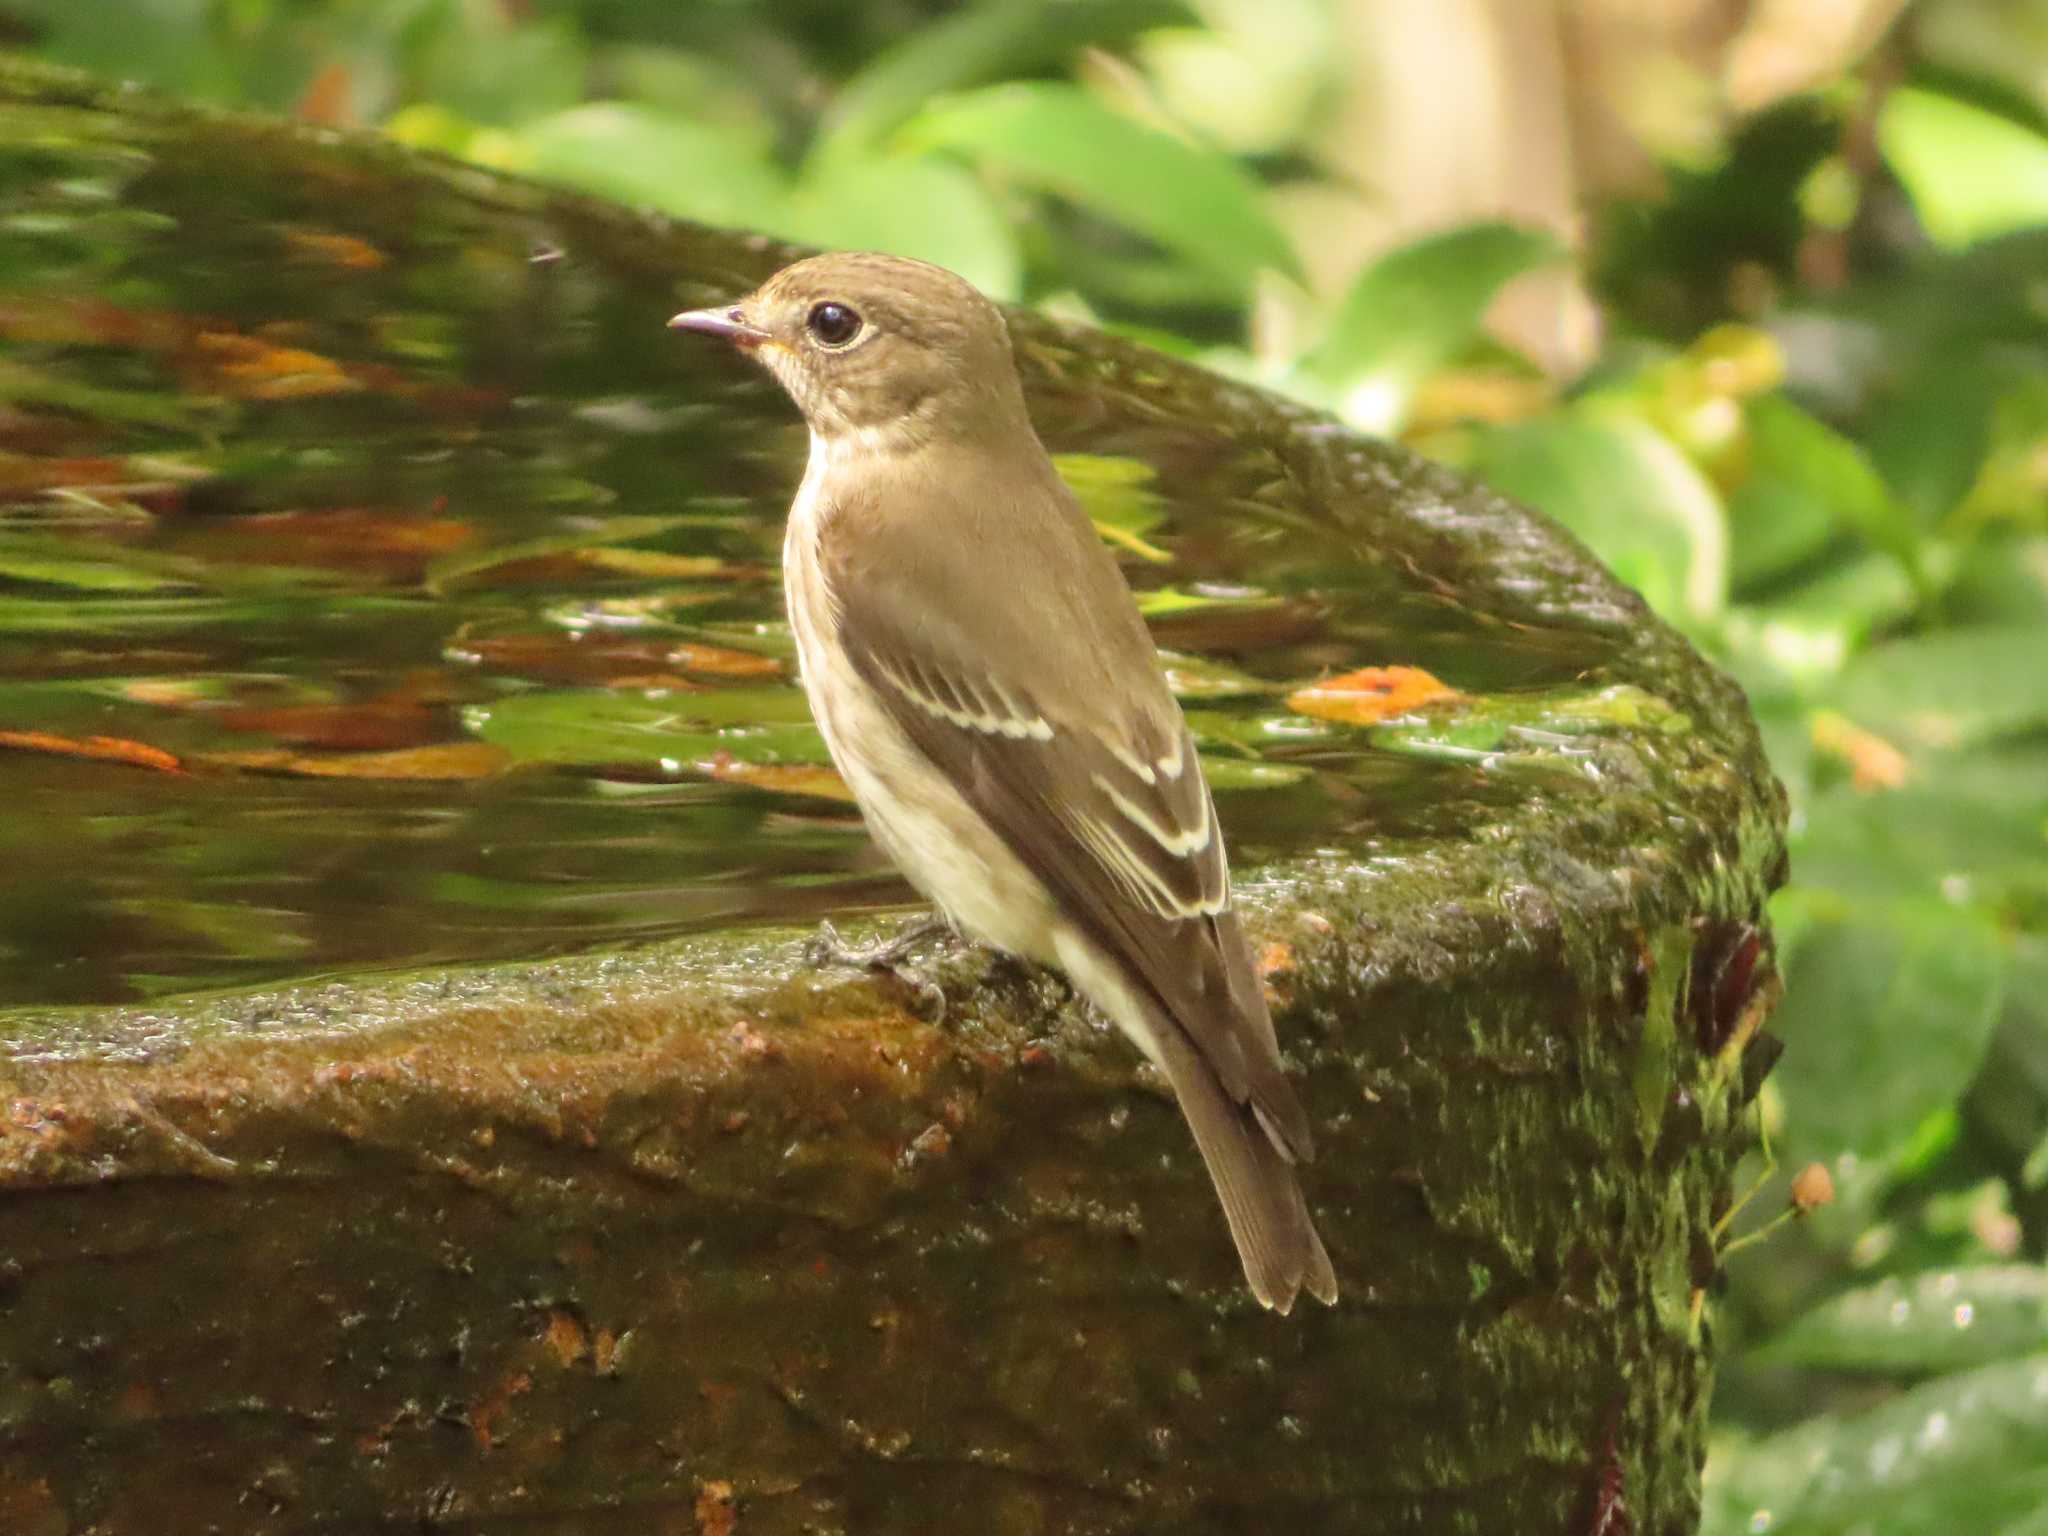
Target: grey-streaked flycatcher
column 989, row 692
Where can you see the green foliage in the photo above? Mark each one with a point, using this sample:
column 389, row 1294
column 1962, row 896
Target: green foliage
column 1838, row 487
column 1410, row 314
column 1200, row 206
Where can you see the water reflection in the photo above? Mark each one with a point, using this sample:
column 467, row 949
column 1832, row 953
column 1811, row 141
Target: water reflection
column 371, row 595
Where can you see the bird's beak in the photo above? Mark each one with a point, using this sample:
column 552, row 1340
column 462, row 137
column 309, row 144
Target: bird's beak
column 728, row 323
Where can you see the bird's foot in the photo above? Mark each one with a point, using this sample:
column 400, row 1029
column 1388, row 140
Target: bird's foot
column 827, row 948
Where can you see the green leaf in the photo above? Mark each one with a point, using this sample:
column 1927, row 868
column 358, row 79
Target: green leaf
column 1971, row 173
column 1166, row 602
column 1229, row 775
column 2001, row 580
column 1410, row 313
column 995, row 40
column 1806, row 632
column 1952, row 688
column 909, row 206
column 1200, row 677
column 1888, row 1011
column 175, row 45
column 654, row 159
column 650, row 734
column 492, row 65
column 82, row 575
column 1963, row 1453
column 1256, row 90
column 24, row 384
column 1799, row 453
column 1930, row 439
column 1920, row 1325
column 1774, row 527
column 1117, row 494
column 131, row 613
column 1971, row 825
column 1627, row 491
column 1200, row 204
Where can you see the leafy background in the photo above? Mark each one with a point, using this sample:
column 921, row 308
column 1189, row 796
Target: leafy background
column 1753, row 297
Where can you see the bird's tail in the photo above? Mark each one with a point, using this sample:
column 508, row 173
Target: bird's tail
column 1255, row 1180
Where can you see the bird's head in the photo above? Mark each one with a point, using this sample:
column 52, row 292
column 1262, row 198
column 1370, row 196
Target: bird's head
column 878, row 350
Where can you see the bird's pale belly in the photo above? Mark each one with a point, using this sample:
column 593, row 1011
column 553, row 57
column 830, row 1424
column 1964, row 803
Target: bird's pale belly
column 939, row 842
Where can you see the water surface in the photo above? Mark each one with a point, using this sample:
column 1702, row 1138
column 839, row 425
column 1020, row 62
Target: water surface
column 374, row 595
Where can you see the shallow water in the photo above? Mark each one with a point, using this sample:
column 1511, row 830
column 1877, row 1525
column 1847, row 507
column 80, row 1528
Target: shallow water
column 374, row 595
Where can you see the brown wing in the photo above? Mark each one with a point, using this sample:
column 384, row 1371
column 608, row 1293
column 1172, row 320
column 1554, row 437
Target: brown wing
column 1048, row 710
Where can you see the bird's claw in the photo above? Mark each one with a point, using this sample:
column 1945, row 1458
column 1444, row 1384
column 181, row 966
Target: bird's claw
column 827, row 948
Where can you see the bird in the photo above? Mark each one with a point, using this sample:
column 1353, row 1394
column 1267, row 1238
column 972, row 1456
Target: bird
column 988, row 690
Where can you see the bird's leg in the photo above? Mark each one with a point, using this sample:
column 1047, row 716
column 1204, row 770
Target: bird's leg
column 827, row 948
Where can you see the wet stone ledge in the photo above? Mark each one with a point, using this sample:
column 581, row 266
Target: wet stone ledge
column 688, row 1237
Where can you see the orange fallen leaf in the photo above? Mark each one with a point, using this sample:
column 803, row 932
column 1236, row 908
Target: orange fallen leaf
column 452, row 761
column 260, row 370
column 616, row 661
column 1370, row 695
column 395, row 543
column 777, row 778
column 655, row 563
column 101, row 749
column 1874, row 763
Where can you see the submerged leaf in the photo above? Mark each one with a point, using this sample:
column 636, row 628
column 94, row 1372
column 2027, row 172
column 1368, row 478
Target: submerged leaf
column 447, row 761
column 664, row 734
column 101, row 749
column 1227, row 775
column 816, row 780
column 596, row 656
column 454, row 570
column 1198, row 677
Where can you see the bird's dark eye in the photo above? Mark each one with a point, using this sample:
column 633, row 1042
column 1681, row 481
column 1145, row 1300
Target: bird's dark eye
column 833, row 324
